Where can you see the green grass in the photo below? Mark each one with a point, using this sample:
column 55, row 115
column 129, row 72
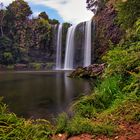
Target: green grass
column 14, row 128
column 77, row 125
column 103, row 96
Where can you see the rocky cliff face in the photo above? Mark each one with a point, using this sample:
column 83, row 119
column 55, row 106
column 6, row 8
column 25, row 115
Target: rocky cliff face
column 107, row 31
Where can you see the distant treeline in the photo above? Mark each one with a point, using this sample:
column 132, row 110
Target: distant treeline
column 20, row 32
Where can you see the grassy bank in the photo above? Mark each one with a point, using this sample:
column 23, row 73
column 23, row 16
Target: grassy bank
column 114, row 103
column 14, row 128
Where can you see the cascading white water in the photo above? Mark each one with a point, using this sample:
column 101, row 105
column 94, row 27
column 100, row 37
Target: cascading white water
column 69, row 53
column 59, row 48
column 87, row 47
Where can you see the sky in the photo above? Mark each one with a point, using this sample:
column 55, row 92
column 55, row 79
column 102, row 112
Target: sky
column 73, row 11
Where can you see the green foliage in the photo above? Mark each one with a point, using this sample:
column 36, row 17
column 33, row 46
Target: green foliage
column 123, row 58
column 36, row 66
column 117, row 96
column 128, row 12
column 137, row 26
column 49, row 66
column 5, row 42
column 78, row 125
column 21, row 34
column 53, row 21
column 43, row 15
column 12, row 127
column 19, row 9
column 8, row 57
column 7, row 52
column 61, row 123
column 43, row 28
column 104, row 95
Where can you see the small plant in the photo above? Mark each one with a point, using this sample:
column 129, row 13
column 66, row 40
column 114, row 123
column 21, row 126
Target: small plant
column 61, row 123
column 36, row 66
column 12, row 127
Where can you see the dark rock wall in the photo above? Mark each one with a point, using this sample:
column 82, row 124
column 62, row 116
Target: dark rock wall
column 107, row 30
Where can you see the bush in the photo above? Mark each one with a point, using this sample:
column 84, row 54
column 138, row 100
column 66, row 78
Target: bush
column 128, row 12
column 123, row 58
column 8, row 58
column 36, row 66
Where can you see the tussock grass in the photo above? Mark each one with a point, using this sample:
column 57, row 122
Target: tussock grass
column 14, row 128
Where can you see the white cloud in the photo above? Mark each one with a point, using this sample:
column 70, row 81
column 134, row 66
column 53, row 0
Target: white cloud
column 70, row 10
column 6, row 2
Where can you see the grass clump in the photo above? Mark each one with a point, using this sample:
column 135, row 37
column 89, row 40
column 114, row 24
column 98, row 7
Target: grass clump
column 77, row 125
column 61, row 122
column 12, row 127
column 105, row 93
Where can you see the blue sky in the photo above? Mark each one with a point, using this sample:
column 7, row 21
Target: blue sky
column 53, row 14
column 73, row 11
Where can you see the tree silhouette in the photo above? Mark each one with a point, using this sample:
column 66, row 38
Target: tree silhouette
column 2, row 15
column 94, row 5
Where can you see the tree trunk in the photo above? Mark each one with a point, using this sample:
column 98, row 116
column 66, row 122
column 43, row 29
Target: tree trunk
column 1, row 29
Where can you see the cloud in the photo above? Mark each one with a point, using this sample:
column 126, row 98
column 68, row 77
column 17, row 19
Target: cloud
column 6, row 2
column 73, row 11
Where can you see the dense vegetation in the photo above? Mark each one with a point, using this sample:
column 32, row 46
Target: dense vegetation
column 26, row 39
column 116, row 99
column 114, row 102
column 20, row 32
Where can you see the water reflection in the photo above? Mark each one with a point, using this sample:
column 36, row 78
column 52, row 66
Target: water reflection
column 40, row 95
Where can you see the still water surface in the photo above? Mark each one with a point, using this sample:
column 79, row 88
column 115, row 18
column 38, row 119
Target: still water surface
column 40, row 94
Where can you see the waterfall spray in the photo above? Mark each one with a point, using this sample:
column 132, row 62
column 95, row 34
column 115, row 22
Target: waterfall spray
column 69, row 53
column 87, row 48
column 59, row 48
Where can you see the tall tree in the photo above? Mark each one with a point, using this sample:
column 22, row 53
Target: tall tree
column 2, row 15
column 19, row 9
column 17, row 16
column 44, row 15
column 95, row 5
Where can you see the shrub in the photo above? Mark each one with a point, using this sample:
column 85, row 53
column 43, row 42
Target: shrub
column 128, row 12
column 36, row 66
column 8, row 58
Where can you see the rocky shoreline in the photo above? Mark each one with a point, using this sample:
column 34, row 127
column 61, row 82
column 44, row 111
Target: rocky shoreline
column 27, row 67
column 92, row 71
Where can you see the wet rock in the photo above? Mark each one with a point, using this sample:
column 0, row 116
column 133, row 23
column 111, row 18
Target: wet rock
column 91, row 71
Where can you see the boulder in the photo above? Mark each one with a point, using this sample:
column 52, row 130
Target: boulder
column 91, row 71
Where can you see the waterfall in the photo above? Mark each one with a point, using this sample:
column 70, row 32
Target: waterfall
column 59, row 48
column 69, row 53
column 87, row 47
